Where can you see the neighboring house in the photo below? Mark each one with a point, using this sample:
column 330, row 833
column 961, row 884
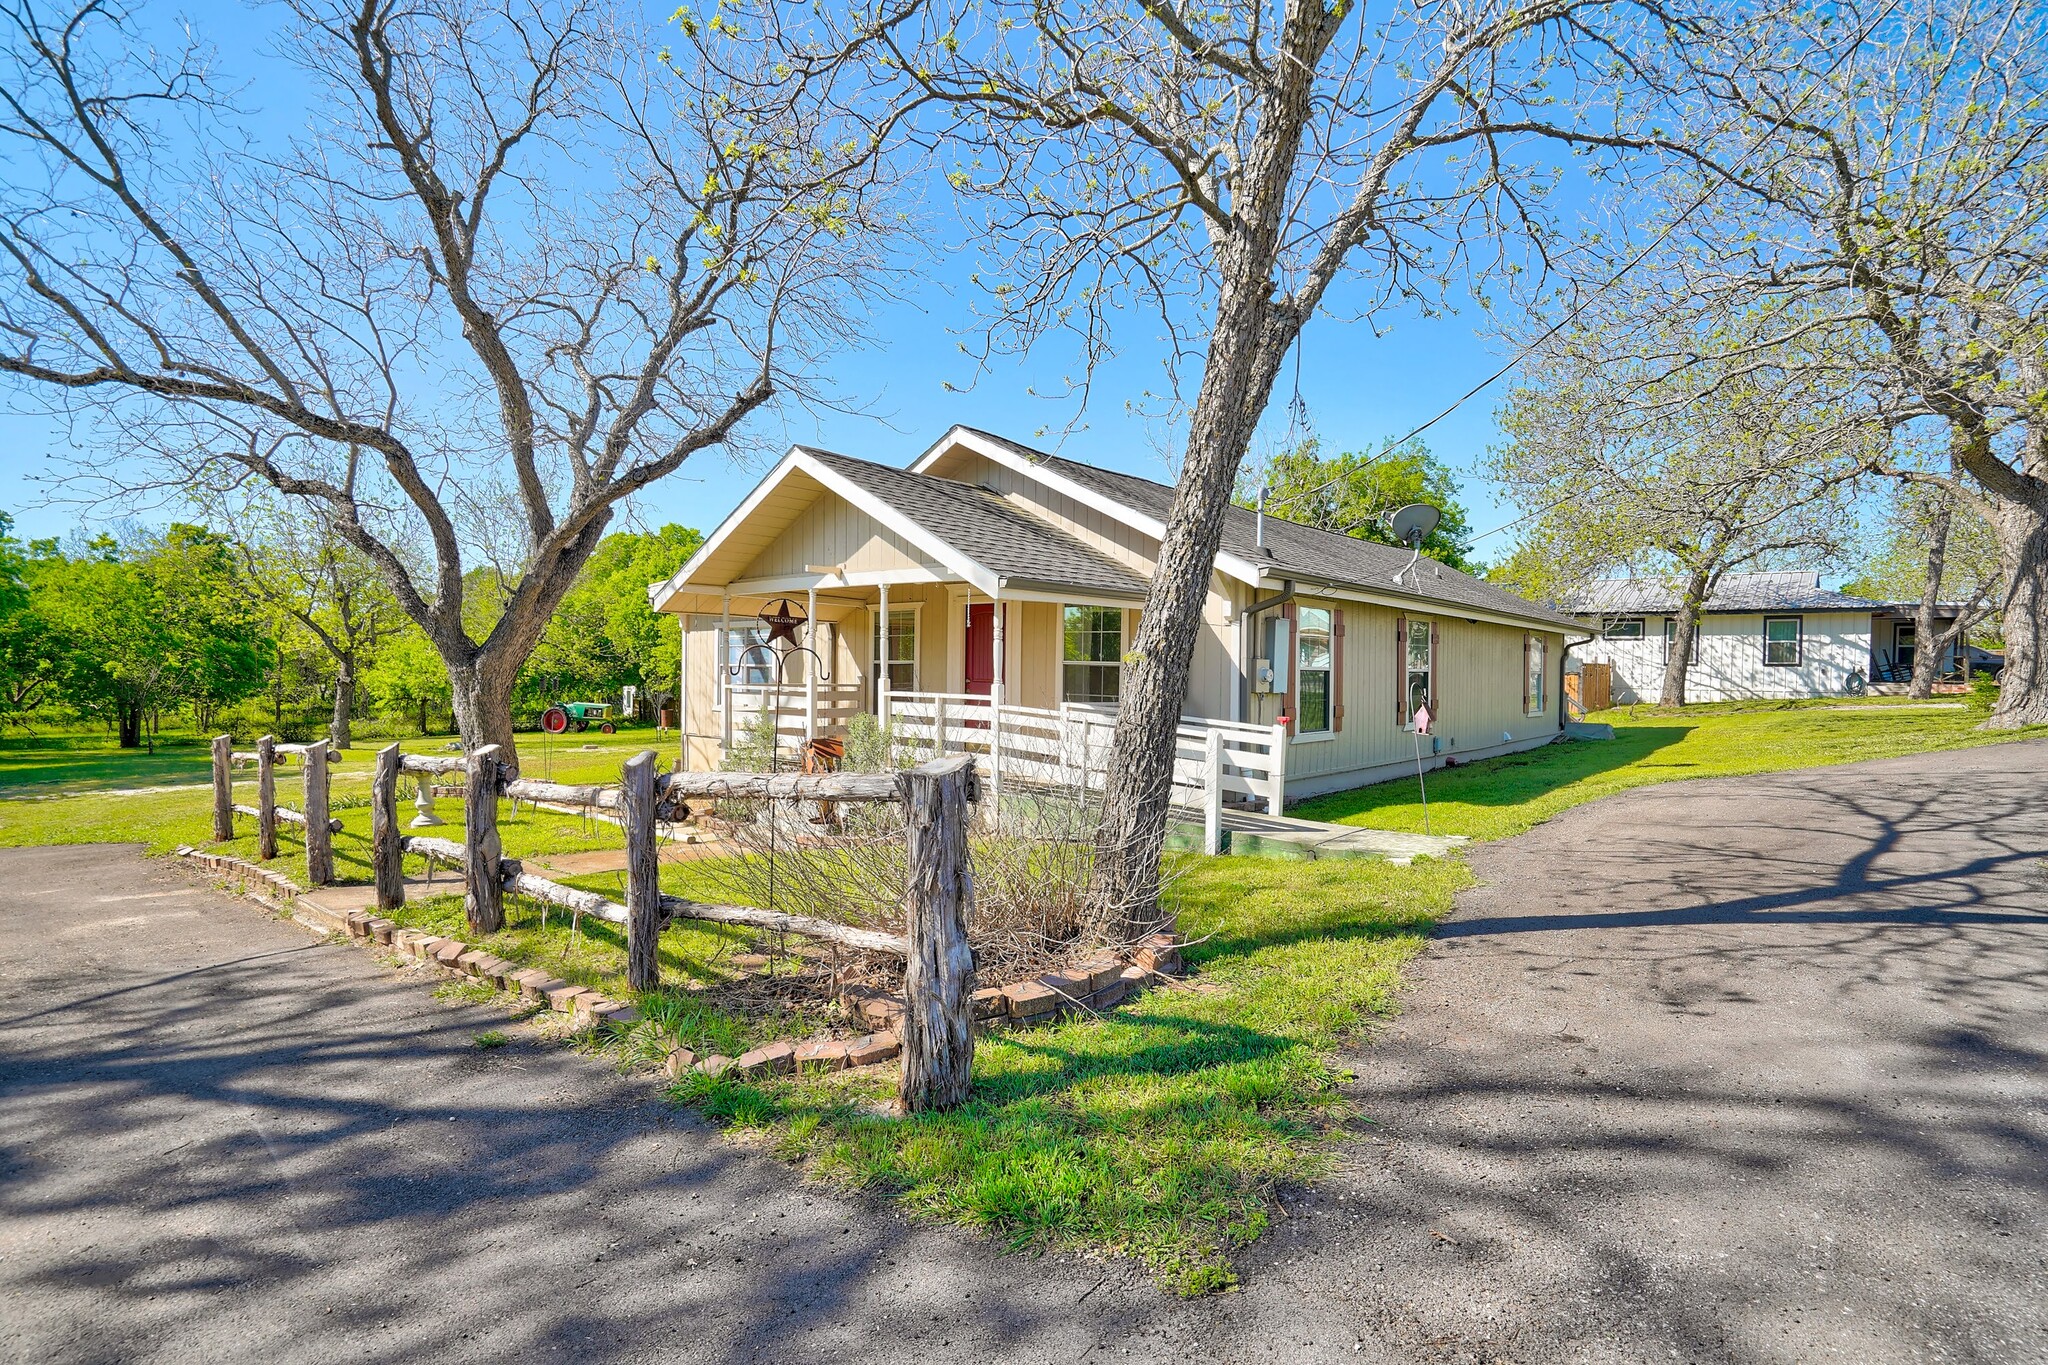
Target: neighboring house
column 1761, row 635
column 1010, row 583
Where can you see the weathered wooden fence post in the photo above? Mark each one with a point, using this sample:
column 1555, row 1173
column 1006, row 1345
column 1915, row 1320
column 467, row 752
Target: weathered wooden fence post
column 223, row 788
column 643, row 872
column 387, row 858
column 319, row 835
column 266, row 797
column 484, row 893
column 938, row 980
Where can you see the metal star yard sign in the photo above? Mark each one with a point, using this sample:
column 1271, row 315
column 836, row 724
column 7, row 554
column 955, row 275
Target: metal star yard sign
column 782, row 617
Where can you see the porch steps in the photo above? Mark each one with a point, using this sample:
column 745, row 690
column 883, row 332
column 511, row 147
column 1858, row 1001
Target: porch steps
column 1254, row 833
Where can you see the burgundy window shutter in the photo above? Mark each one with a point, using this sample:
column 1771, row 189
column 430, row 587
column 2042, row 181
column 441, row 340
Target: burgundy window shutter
column 1337, row 669
column 1400, row 670
column 1291, row 612
column 1528, row 641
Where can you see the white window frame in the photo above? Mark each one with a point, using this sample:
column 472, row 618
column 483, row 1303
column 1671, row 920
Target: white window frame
column 1798, row 659
column 722, row 659
column 1608, row 624
column 1671, row 634
column 875, row 635
column 1408, row 670
column 1124, row 631
column 1330, row 699
column 1537, row 664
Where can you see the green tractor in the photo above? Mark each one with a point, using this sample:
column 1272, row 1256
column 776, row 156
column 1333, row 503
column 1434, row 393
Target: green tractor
column 578, row 715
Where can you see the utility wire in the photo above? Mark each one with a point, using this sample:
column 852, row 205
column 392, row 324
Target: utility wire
column 1527, row 349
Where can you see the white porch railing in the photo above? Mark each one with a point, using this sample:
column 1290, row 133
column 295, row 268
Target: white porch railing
column 836, row 704
column 1070, row 746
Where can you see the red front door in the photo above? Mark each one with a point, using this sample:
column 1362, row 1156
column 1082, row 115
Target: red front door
column 981, row 647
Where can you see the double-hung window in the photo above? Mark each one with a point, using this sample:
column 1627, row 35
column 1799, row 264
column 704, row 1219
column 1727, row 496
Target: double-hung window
column 895, row 650
column 756, row 665
column 1692, row 655
column 1420, row 666
column 1783, row 641
column 1623, row 628
column 1092, row 654
column 1314, row 703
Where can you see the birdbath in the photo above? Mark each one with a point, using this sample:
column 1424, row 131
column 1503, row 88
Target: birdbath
column 424, row 804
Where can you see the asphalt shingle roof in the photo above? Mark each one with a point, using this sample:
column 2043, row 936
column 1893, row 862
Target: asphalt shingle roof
column 987, row 529
column 1308, row 553
column 1785, row 590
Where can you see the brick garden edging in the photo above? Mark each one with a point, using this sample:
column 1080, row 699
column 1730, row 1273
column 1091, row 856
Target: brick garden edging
column 1101, row 983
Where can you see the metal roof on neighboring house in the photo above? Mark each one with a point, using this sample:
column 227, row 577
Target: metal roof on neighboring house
column 1306, row 554
column 1781, row 590
column 987, row 529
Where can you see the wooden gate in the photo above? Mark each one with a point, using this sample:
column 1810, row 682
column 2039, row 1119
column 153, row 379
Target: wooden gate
column 1591, row 688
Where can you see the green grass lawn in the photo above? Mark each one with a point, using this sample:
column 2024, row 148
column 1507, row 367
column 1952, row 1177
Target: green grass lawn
column 1498, row 797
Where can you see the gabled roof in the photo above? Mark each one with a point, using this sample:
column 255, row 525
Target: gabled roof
column 1291, row 550
column 1015, row 546
column 1785, row 590
column 971, row 532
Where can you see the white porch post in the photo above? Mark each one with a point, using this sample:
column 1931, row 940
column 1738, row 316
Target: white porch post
column 683, row 691
column 1212, row 793
column 1277, row 771
column 811, row 666
column 879, row 646
column 720, row 692
column 995, row 714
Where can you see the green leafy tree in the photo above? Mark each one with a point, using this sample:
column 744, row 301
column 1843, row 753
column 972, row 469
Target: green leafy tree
column 605, row 635
column 408, row 676
column 29, row 652
column 1353, row 493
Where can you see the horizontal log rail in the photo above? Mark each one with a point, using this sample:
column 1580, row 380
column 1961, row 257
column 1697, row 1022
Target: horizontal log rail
column 787, row 786
column 290, row 817
column 516, row 878
column 426, row 763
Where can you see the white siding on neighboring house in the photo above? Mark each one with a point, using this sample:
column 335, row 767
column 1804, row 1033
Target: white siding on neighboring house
column 1731, row 664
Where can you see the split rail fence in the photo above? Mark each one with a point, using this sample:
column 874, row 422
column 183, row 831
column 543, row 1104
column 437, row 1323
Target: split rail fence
column 319, row 826
column 937, row 1040
column 936, row 1036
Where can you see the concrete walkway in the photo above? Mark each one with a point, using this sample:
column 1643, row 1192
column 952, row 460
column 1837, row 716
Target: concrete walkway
column 1250, row 830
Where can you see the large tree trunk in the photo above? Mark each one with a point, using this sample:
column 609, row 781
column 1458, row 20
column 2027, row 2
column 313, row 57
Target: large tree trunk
column 131, row 724
column 1927, row 651
column 344, row 703
column 482, row 694
column 1124, row 891
column 1676, row 668
column 2022, row 530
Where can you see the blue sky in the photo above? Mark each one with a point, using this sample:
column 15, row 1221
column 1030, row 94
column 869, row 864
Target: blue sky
column 1360, row 388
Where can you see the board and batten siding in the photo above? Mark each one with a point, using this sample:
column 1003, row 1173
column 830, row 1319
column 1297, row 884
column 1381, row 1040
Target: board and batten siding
column 1731, row 663
column 1479, row 691
column 833, row 531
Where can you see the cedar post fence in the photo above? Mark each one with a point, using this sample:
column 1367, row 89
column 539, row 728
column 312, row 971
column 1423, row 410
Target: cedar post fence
column 483, row 898
column 319, row 836
column 643, row 872
column 938, row 1042
column 320, row 826
column 387, row 859
column 938, row 980
column 266, row 797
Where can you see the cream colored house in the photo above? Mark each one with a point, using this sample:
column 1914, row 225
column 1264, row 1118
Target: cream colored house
column 1010, row 582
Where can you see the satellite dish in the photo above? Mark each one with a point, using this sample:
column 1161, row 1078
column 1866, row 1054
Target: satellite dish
column 1413, row 523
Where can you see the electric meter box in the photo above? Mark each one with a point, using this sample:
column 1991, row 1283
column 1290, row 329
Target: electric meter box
column 1270, row 671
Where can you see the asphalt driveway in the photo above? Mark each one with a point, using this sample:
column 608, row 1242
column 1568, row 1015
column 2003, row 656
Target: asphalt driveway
column 1741, row 1070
